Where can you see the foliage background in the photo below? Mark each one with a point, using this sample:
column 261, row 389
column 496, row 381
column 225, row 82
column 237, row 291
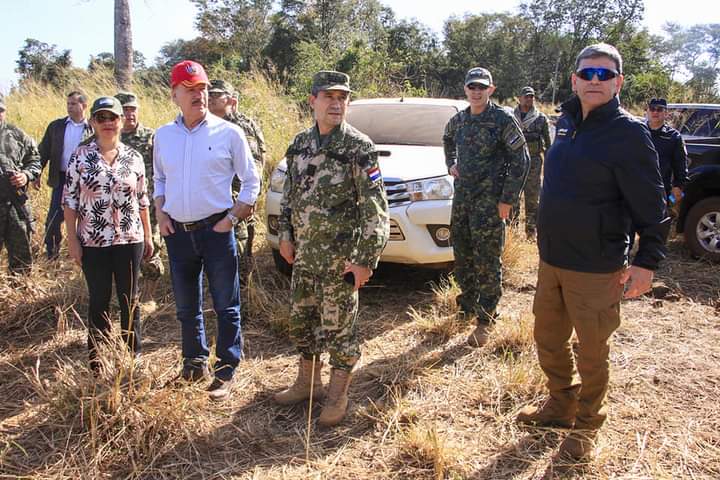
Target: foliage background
column 289, row 40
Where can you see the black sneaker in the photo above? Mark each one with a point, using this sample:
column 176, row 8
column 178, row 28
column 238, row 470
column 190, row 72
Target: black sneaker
column 219, row 389
column 194, row 370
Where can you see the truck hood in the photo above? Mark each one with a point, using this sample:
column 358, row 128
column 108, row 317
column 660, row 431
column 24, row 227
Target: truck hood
column 406, row 162
column 411, row 162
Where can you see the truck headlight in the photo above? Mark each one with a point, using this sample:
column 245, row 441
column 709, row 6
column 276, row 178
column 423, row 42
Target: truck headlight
column 277, row 180
column 431, row 189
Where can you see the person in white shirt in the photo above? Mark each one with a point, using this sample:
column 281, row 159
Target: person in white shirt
column 61, row 138
column 196, row 157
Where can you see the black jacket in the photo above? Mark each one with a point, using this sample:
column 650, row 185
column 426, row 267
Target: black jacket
column 601, row 176
column 672, row 156
column 51, row 148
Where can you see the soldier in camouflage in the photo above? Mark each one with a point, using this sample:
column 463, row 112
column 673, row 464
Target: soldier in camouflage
column 535, row 127
column 334, row 224
column 485, row 151
column 222, row 101
column 140, row 137
column 19, row 165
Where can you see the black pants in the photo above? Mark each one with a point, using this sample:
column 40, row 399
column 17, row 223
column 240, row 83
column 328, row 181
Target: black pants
column 100, row 265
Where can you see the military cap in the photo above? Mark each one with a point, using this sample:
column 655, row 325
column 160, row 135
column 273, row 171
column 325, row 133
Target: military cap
column 2, row 105
column 127, row 99
column 221, row 86
column 108, row 104
column 657, row 102
column 331, row 80
column 527, row 91
column 478, row 75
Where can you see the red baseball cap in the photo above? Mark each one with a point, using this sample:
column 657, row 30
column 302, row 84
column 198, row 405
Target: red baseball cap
column 188, row 73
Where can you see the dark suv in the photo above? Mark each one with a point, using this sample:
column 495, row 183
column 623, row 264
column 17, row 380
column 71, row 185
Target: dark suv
column 699, row 216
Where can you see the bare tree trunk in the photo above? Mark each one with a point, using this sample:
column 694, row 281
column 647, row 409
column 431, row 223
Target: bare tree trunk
column 123, row 45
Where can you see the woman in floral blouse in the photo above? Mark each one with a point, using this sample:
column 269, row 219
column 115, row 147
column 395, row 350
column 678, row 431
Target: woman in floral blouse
column 106, row 206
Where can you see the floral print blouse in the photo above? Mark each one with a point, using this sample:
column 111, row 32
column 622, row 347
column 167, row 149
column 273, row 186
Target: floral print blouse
column 107, row 198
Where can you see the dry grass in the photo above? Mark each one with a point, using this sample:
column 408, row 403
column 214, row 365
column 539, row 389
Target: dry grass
column 424, row 405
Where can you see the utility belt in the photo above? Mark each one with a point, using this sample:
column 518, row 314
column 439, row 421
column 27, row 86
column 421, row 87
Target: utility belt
column 200, row 224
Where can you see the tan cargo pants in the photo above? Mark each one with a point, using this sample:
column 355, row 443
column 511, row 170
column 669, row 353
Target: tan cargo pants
column 588, row 303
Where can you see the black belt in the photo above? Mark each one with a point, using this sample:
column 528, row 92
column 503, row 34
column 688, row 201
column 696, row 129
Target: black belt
column 205, row 222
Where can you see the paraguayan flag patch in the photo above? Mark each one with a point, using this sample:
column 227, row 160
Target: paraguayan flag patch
column 373, row 173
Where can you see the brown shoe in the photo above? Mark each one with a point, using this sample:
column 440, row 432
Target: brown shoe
column 558, row 410
column 219, row 389
column 309, row 378
column 578, row 446
column 479, row 336
column 337, row 400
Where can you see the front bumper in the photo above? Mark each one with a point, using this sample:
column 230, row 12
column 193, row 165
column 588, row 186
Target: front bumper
column 417, row 233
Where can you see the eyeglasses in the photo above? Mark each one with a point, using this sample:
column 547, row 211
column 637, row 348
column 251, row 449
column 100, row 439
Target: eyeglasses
column 603, row 74
column 105, row 117
column 477, row 86
column 657, row 109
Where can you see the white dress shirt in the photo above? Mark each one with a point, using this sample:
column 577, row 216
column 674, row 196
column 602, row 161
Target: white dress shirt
column 194, row 169
column 73, row 137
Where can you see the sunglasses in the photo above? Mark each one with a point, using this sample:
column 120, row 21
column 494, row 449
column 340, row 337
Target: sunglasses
column 603, row 74
column 477, row 86
column 105, row 117
column 657, row 109
column 217, row 94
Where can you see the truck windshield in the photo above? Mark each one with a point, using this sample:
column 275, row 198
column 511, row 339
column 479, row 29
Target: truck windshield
column 401, row 124
column 700, row 122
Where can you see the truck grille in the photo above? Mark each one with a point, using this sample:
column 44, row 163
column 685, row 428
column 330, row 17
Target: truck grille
column 397, row 192
column 396, row 233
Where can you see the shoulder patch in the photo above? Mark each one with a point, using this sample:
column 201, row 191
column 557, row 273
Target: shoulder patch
column 373, row 174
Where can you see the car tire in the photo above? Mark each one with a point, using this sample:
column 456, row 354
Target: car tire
column 704, row 217
column 280, row 263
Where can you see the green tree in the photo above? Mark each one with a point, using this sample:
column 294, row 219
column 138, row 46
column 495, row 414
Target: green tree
column 503, row 51
column 43, row 62
column 241, row 28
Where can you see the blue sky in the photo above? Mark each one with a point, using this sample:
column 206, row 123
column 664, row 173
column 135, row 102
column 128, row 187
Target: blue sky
column 86, row 26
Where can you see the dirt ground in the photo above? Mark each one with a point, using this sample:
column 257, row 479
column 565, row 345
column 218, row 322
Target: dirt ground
column 424, row 404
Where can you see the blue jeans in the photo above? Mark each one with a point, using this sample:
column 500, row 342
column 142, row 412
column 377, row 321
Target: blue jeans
column 54, row 220
column 191, row 253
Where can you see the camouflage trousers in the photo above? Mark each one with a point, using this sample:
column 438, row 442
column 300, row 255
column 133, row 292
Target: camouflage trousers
column 14, row 235
column 531, row 193
column 153, row 268
column 323, row 317
column 478, row 236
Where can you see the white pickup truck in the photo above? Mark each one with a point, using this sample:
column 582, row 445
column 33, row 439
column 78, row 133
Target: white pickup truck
column 407, row 133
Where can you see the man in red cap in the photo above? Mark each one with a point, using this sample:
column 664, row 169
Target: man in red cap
column 195, row 159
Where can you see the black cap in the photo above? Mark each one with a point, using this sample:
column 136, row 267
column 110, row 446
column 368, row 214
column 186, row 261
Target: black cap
column 657, row 102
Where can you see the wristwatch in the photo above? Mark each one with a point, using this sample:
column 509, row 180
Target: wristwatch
column 233, row 219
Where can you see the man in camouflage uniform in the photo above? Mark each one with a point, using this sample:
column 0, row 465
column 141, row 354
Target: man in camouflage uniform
column 19, row 165
column 535, row 127
column 222, row 101
column 485, row 151
column 140, row 137
column 334, row 224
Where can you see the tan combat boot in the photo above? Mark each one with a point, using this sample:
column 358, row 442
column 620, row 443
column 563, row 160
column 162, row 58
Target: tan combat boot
column 558, row 411
column 337, row 400
column 479, row 336
column 300, row 390
column 578, row 446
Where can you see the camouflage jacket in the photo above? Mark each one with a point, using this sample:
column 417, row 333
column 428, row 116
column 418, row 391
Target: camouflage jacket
column 254, row 136
column 334, row 206
column 141, row 139
column 535, row 128
column 18, row 152
column 490, row 153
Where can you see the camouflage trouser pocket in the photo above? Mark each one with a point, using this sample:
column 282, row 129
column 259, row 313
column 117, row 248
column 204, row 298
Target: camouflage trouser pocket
column 153, row 269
